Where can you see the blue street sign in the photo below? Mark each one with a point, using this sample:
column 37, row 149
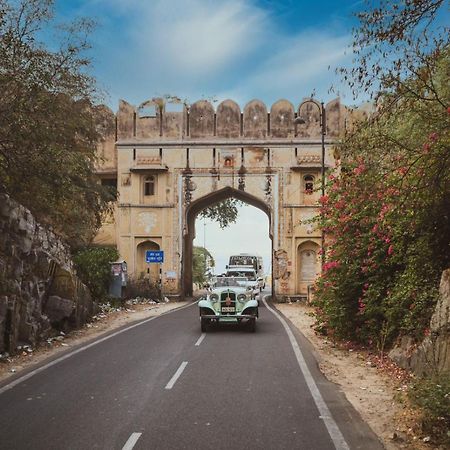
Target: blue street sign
column 152, row 256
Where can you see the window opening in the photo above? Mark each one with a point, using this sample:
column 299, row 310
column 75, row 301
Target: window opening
column 149, row 185
column 309, row 184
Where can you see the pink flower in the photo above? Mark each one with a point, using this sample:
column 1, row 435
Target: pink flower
column 323, row 199
column 426, row 148
column 433, row 137
column 387, row 240
column 390, row 250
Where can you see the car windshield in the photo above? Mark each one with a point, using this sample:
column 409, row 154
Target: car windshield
column 230, row 281
column 245, row 275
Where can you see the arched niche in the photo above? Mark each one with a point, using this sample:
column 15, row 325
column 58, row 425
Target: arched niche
column 228, row 121
column 255, row 120
column 174, row 119
column 201, row 119
column 309, row 110
column 308, row 265
column 282, row 119
column 151, row 270
column 199, row 205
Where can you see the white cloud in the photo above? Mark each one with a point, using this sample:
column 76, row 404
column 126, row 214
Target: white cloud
column 296, row 67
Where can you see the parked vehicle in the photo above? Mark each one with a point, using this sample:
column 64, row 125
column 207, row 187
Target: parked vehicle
column 229, row 301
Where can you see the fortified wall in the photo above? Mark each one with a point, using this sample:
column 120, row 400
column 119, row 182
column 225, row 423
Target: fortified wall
column 170, row 160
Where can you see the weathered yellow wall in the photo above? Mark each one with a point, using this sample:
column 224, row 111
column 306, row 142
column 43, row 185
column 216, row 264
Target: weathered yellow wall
column 198, row 142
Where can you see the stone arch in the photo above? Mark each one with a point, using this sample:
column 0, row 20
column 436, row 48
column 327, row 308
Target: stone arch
column 228, row 124
column 150, row 271
column 282, row 119
column 192, row 212
column 308, row 266
column 201, row 119
column 309, row 111
column 255, row 120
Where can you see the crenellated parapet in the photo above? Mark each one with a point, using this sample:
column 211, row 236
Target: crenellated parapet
column 158, row 119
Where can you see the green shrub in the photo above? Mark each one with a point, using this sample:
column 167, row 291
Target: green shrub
column 433, row 396
column 94, row 269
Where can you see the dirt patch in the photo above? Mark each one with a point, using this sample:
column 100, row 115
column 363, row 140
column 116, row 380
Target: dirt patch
column 102, row 324
column 376, row 388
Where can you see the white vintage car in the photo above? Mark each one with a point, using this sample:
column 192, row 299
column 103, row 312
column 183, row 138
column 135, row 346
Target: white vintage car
column 228, row 301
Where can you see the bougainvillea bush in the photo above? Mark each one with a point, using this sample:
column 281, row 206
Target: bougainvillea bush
column 386, row 216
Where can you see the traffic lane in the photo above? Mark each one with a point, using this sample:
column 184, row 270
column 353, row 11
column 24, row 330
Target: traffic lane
column 356, row 431
column 239, row 390
column 87, row 400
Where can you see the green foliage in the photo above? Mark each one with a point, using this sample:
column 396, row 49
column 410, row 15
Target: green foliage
column 433, row 396
column 48, row 122
column 386, row 217
column 225, row 212
column 93, row 268
column 202, row 262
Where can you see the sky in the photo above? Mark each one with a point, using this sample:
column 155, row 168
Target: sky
column 218, row 49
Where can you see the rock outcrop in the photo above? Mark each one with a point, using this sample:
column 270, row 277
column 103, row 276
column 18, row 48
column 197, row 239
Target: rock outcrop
column 433, row 354
column 39, row 290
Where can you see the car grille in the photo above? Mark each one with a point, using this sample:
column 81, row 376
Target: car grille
column 224, row 308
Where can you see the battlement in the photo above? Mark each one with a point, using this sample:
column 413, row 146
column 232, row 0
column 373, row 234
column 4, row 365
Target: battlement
column 161, row 120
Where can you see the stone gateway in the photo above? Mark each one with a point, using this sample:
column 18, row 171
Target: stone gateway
column 169, row 161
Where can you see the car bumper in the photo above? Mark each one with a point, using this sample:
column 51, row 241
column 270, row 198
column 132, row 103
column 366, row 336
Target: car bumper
column 227, row 317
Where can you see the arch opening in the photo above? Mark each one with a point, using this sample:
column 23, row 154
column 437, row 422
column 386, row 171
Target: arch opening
column 189, row 235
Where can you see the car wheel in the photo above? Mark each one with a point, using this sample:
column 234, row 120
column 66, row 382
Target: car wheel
column 204, row 325
column 252, row 325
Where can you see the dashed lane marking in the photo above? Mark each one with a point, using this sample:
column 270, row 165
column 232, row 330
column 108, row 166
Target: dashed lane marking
column 131, row 441
column 82, row 349
column 200, row 339
column 176, row 375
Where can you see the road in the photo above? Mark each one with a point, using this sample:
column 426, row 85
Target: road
column 162, row 384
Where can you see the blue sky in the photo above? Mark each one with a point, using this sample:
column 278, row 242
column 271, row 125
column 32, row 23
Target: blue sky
column 241, row 49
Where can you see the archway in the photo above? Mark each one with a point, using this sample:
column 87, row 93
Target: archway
column 195, row 208
column 150, row 271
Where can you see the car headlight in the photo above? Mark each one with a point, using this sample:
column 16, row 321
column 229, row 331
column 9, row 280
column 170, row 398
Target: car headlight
column 242, row 297
column 214, row 297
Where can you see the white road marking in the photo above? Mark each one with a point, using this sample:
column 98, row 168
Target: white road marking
column 176, row 375
column 325, row 414
column 200, row 339
column 82, row 349
column 131, row 441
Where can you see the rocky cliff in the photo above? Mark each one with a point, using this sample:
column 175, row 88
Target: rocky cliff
column 433, row 354
column 39, row 290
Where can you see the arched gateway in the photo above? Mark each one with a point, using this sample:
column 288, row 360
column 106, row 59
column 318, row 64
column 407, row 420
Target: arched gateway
column 171, row 161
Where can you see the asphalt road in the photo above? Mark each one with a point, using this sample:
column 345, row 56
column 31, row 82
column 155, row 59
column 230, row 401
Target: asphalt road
column 164, row 385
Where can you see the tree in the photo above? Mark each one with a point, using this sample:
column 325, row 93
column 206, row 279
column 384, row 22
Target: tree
column 225, row 212
column 394, row 41
column 202, row 262
column 386, row 214
column 49, row 124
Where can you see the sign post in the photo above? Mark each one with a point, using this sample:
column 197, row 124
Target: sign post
column 155, row 257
